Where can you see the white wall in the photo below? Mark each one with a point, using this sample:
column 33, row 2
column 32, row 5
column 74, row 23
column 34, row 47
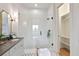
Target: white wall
column 25, row 27
column 56, row 29
column 13, row 9
column 74, row 44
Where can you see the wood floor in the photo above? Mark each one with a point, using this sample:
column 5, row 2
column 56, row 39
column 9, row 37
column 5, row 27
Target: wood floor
column 64, row 52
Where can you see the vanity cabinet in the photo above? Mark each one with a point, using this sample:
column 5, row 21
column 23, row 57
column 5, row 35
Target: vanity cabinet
column 7, row 53
column 17, row 50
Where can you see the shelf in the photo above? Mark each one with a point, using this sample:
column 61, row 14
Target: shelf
column 67, row 44
column 66, row 37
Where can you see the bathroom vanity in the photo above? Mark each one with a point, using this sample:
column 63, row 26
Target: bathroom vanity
column 9, row 46
column 12, row 47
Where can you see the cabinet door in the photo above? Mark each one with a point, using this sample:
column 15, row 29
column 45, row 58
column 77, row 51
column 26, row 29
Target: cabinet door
column 20, row 49
column 17, row 50
column 12, row 51
column 6, row 54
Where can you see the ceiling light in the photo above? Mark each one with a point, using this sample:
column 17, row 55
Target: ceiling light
column 35, row 5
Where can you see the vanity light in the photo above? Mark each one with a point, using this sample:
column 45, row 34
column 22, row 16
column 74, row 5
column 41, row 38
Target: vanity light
column 35, row 5
column 12, row 20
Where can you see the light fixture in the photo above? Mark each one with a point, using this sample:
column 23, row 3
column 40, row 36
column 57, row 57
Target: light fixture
column 35, row 5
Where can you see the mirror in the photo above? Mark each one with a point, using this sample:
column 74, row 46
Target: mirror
column 5, row 23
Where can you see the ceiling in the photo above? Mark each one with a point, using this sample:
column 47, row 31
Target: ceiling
column 31, row 5
column 40, row 5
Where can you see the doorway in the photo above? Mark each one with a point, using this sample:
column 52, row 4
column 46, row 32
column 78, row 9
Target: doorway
column 64, row 29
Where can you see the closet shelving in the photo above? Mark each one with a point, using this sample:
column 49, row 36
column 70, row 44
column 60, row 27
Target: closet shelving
column 64, row 37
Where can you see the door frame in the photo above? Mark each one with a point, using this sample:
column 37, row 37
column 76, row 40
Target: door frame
column 57, row 24
column 57, row 18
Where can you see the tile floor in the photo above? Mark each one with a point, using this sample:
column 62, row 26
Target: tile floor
column 37, row 52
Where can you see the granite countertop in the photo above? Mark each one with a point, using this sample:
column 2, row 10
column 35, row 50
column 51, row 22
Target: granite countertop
column 8, row 45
